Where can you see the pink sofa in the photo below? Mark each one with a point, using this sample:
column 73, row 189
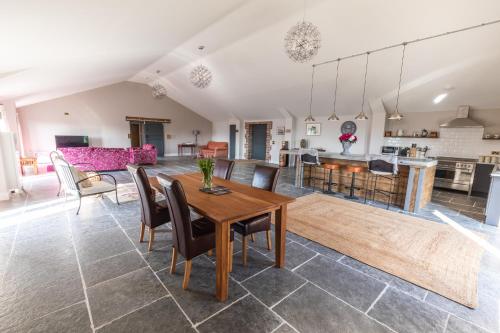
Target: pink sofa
column 108, row 159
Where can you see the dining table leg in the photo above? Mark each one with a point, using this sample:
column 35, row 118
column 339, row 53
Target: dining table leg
column 280, row 236
column 222, row 238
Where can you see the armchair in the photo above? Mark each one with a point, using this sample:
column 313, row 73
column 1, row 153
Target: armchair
column 214, row 149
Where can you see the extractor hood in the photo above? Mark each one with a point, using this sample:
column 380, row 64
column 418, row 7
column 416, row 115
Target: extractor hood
column 462, row 120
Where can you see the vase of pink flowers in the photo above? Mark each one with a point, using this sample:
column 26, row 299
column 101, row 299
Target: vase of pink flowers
column 347, row 139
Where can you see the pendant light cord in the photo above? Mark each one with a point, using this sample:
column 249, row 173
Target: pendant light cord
column 364, row 86
column 400, row 77
column 336, row 85
column 312, row 87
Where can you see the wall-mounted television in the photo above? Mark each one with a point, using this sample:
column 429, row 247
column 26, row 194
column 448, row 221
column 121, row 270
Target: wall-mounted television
column 71, row 141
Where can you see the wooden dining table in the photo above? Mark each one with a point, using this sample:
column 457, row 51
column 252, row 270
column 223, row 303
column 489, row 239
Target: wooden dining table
column 223, row 210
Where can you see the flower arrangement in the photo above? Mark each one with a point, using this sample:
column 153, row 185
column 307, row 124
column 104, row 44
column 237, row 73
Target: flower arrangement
column 348, row 137
column 206, row 166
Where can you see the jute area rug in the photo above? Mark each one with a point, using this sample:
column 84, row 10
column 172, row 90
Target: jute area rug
column 434, row 256
column 128, row 192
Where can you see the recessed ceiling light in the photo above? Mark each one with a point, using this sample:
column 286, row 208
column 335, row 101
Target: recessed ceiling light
column 439, row 98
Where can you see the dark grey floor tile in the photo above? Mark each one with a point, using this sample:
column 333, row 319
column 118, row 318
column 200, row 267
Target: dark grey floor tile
column 246, row 315
column 21, row 309
column 310, row 309
column 93, row 247
column 354, row 287
column 92, row 225
column 408, row 287
column 105, row 269
column 295, row 255
column 367, row 269
column 163, row 237
column 260, row 243
column 72, row 319
column 129, row 221
column 199, row 301
column 273, row 284
column 330, row 253
column 457, row 325
column 285, row 329
column 486, row 315
column 117, row 297
column 161, row 258
column 404, row 313
column 161, row 316
column 297, row 238
column 256, row 262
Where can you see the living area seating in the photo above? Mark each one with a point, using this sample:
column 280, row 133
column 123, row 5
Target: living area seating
column 81, row 184
column 109, row 159
column 153, row 214
column 266, row 178
column 191, row 238
column 214, row 149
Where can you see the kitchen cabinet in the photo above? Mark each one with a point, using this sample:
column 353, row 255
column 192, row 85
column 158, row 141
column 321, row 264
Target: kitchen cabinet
column 482, row 179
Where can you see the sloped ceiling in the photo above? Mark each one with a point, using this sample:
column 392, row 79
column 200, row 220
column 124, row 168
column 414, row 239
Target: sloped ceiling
column 100, row 42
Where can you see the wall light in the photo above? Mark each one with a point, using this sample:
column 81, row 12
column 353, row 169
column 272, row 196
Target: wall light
column 439, row 98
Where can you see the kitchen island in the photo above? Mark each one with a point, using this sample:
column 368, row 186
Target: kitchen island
column 413, row 187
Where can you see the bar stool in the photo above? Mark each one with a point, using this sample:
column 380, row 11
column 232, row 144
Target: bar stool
column 310, row 157
column 354, row 169
column 330, row 167
column 385, row 170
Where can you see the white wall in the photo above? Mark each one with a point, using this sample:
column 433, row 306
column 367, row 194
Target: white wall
column 220, row 132
column 100, row 113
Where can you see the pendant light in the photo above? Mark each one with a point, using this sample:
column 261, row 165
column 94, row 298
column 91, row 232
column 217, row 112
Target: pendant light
column 396, row 115
column 158, row 90
column 362, row 115
column 200, row 75
column 334, row 116
column 310, row 118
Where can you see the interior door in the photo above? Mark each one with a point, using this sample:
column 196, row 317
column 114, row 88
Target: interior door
column 259, row 141
column 153, row 133
column 232, row 141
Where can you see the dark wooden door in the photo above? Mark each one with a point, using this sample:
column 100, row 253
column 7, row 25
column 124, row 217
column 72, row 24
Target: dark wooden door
column 153, row 133
column 135, row 135
column 232, row 141
column 259, row 141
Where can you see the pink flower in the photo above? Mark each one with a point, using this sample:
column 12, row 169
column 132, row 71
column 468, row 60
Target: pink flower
column 348, row 137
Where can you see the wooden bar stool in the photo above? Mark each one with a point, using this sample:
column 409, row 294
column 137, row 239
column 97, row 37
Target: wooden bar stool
column 354, row 169
column 380, row 169
column 330, row 167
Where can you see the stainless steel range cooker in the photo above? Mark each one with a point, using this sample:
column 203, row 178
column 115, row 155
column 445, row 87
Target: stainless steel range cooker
column 455, row 173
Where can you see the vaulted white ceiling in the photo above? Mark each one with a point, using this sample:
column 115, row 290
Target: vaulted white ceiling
column 53, row 48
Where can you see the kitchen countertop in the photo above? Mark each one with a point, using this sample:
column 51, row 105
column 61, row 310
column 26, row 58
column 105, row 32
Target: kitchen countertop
column 409, row 161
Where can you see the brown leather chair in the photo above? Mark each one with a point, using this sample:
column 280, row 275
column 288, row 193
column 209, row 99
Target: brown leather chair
column 266, row 178
column 191, row 238
column 153, row 214
column 223, row 168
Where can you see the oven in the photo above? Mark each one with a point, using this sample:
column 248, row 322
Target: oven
column 389, row 150
column 455, row 173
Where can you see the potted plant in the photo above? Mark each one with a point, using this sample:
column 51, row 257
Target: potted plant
column 347, row 139
column 206, row 166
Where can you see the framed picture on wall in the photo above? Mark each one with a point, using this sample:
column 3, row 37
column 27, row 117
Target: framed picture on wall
column 281, row 130
column 313, row 129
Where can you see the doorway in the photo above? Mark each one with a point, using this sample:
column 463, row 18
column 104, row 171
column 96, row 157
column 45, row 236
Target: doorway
column 258, row 141
column 153, row 134
column 232, row 142
column 135, row 134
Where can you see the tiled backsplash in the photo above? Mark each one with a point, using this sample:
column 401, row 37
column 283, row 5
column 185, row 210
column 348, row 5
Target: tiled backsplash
column 454, row 142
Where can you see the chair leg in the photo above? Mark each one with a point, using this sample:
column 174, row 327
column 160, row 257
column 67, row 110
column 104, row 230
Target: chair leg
column 252, row 237
column 187, row 274
column 269, row 242
column 244, row 249
column 174, row 260
column 116, row 196
column 151, row 238
column 143, row 227
column 231, row 250
column 209, row 253
column 79, row 205
column 59, row 191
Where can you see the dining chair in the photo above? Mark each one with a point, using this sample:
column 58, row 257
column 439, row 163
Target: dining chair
column 153, row 214
column 266, row 178
column 223, row 168
column 191, row 237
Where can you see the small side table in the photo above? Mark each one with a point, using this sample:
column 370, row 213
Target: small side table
column 29, row 161
column 181, row 146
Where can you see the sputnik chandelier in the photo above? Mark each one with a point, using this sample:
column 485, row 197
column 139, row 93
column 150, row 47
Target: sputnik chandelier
column 158, row 90
column 200, row 75
column 302, row 41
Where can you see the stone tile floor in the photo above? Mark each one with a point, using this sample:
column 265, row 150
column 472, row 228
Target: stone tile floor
column 65, row 273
